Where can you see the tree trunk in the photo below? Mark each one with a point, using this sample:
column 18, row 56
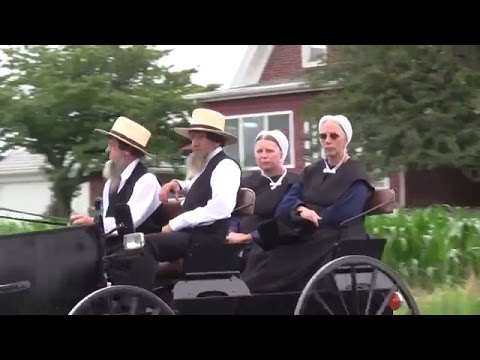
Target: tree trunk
column 64, row 190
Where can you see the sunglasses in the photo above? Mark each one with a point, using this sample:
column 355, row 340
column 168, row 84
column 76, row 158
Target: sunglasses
column 333, row 136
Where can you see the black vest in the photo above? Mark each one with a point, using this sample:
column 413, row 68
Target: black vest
column 153, row 222
column 266, row 199
column 199, row 194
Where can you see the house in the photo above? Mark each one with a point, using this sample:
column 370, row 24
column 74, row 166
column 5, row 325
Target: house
column 269, row 91
column 24, row 185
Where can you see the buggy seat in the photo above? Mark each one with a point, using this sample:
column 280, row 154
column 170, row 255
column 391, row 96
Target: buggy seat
column 227, row 252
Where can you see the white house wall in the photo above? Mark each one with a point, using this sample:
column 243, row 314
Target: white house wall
column 31, row 193
column 81, row 203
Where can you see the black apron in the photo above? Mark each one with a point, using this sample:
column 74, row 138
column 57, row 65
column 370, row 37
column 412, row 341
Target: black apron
column 266, row 199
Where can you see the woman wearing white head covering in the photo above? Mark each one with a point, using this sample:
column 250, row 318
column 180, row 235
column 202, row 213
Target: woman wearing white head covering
column 269, row 185
column 333, row 189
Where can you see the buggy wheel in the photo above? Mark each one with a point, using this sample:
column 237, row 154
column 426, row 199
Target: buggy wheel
column 355, row 285
column 121, row 300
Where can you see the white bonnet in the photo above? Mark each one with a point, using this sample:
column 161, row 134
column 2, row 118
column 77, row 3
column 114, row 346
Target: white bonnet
column 279, row 137
column 342, row 121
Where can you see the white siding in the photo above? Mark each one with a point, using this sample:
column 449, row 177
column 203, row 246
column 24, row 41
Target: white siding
column 81, row 203
column 32, row 194
column 25, row 187
column 25, row 193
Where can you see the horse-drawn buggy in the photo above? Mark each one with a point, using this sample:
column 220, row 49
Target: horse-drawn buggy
column 66, row 271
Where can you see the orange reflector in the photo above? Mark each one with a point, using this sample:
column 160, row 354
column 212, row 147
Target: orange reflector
column 395, row 301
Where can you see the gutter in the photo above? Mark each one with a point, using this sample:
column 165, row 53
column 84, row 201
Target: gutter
column 259, row 90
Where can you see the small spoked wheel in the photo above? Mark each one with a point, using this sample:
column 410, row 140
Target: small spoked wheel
column 355, row 285
column 121, row 300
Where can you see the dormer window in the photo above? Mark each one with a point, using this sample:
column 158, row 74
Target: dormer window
column 314, row 55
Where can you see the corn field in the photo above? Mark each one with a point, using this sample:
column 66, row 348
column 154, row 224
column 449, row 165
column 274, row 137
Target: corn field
column 430, row 246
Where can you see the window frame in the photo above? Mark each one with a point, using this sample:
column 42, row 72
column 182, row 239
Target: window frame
column 306, row 51
column 383, row 183
column 265, row 115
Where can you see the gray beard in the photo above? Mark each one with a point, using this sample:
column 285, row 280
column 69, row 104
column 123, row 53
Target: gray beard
column 112, row 171
column 195, row 164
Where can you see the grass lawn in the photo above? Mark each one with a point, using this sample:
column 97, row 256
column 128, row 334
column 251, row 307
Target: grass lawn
column 450, row 299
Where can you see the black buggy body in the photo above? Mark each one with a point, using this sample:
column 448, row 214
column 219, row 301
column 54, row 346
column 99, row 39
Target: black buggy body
column 65, row 271
column 48, row 271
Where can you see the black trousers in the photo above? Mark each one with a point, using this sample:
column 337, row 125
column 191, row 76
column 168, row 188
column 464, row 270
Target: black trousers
column 140, row 270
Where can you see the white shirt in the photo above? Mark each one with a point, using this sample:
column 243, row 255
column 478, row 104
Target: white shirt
column 143, row 202
column 225, row 182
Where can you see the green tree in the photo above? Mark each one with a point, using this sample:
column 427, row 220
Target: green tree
column 54, row 96
column 411, row 106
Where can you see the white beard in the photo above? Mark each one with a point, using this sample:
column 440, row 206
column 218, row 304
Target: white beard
column 195, row 164
column 112, row 171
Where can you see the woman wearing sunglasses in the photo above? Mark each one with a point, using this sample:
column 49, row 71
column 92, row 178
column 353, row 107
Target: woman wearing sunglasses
column 330, row 191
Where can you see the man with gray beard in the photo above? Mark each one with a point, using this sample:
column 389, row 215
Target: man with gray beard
column 195, row 163
column 127, row 181
column 211, row 189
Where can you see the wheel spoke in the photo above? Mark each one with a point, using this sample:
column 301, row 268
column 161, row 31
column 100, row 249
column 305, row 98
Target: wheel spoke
column 339, row 293
column 353, row 277
column 370, row 290
column 108, row 303
column 319, row 299
column 133, row 305
column 156, row 311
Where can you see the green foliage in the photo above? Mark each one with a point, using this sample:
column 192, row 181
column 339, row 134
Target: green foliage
column 430, row 246
column 54, row 97
column 17, row 227
column 411, row 106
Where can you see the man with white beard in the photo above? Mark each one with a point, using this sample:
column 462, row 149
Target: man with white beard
column 211, row 189
column 127, row 181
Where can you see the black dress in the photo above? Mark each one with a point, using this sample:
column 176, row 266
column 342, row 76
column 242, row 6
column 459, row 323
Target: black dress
column 266, row 201
column 292, row 249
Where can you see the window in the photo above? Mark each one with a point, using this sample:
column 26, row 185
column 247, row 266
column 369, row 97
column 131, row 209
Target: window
column 383, row 183
column 314, row 55
column 246, row 128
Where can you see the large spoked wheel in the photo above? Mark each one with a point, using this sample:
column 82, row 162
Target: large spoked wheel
column 356, row 285
column 121, row 300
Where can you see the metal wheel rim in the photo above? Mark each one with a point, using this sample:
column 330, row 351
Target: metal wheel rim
column 356, row 260
column 157, row 305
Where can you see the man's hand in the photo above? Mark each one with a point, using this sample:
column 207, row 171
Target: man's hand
column 166, row 229
column 169, row 187
column 236, row 238
column 81, row 219
column 309, row 215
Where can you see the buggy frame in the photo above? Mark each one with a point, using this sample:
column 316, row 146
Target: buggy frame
column 64, row 271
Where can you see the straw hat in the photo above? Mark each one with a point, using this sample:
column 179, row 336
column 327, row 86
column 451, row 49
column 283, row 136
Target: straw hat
column 129, row 132
column 207, row 120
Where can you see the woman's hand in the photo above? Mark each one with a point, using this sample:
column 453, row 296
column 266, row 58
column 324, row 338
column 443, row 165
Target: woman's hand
column 237, row 238
column 309, row 215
